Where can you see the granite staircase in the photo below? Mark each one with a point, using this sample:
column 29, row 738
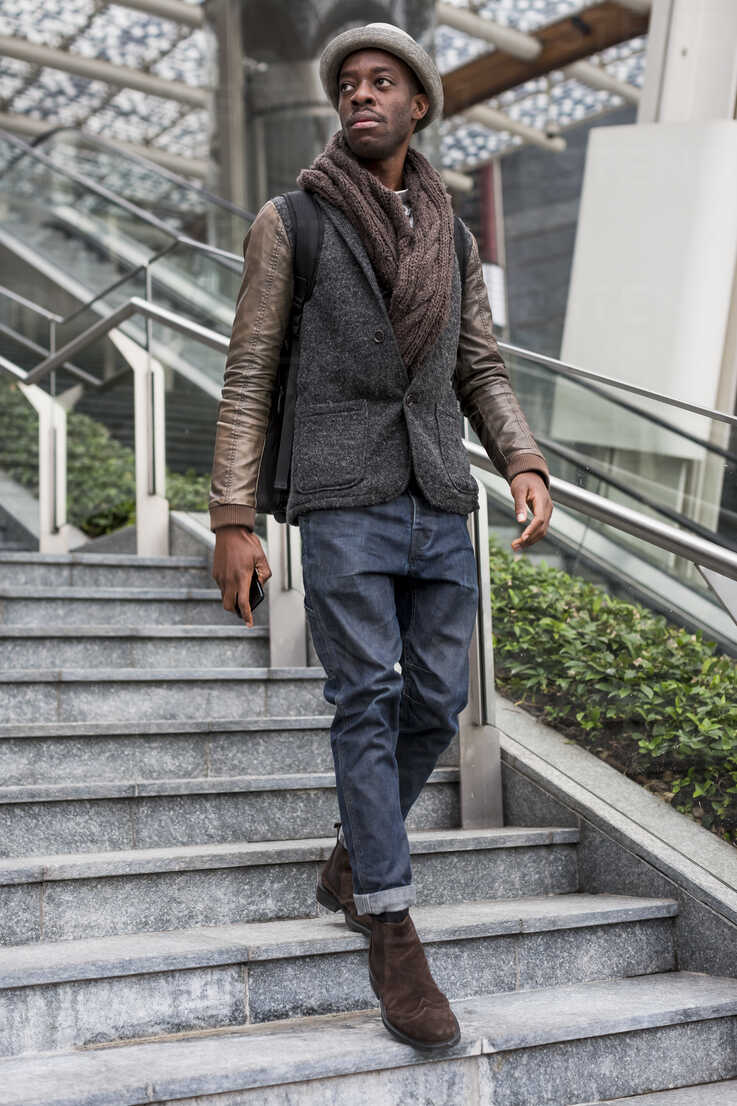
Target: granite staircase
column 166, row 802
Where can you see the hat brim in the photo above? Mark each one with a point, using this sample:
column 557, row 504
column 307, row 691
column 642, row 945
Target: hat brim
column 393, row 41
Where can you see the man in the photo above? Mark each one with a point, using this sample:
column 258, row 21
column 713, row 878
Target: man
column 392, row 340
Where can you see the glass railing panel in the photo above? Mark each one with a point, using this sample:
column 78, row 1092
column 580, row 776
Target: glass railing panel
column 675, row 464
column 182, row 204
column 111, row 354
column 91, row 239
column 201, row 285
column 204, row 289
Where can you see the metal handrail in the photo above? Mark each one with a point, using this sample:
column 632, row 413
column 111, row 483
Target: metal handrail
column 698, row 550
column 566, row 369
column 134, row 306
column 34, row 347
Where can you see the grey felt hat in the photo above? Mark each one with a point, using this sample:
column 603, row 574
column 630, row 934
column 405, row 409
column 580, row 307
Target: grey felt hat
column 383, row 36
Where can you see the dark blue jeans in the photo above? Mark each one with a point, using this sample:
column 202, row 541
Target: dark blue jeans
column 388, row 586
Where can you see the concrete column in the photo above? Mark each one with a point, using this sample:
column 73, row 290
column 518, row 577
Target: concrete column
column 225, row 18
column 289, row 119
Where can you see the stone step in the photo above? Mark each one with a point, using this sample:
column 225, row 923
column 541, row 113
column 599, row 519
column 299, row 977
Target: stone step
column 145, row 814
column 546, row 1047
column 117, row 988
column 80, row 694
column 65, row 606
column 134, row 647
column 76, row 752
column 723, row 1093
column 60, row 897
column 103, row 570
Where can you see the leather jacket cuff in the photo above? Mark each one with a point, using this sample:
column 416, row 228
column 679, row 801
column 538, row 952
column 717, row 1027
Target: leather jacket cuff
column 232, row 514
column 527, row 462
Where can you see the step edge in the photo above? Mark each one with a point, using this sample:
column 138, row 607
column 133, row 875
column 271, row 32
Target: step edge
column 186, row 785
column 47, row 867
column 228, row 944
column 357, row 1043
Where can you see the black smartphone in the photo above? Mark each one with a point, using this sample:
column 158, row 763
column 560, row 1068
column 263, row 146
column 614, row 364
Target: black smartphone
column 255, row 594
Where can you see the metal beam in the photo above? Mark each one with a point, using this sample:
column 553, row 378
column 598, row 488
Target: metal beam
column 642, row 7
column 97, row 70
column 457, row 182
column 499, row 121
column 192, row 15
column 177, row 163
column 513, row 42
column 572, row 39
column 596, row 76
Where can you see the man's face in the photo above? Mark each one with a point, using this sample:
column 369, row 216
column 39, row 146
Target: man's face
column 379, row 103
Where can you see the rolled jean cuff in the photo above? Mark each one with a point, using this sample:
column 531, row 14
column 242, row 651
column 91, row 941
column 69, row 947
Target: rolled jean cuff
column 393, row 898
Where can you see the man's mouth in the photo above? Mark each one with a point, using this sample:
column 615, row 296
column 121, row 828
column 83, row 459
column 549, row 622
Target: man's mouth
column 365, row 122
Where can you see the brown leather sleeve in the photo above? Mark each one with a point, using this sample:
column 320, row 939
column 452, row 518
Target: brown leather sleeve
column 482, row 384
column 261, row 317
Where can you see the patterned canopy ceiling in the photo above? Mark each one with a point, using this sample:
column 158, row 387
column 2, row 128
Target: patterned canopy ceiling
column 97, row 28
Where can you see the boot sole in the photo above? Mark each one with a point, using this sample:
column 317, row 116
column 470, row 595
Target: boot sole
column 425, row 1046
column 327, row 899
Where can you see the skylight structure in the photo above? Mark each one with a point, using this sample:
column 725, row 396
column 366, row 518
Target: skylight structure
column 35, row 95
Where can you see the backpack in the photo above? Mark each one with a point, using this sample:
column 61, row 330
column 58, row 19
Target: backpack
column 272, row 489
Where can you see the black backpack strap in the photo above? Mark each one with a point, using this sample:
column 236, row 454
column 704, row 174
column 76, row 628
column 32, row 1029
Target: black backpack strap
column 308, row 223
column 461, row 245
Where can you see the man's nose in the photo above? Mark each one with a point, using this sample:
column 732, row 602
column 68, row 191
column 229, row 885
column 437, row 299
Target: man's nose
column 362, row 92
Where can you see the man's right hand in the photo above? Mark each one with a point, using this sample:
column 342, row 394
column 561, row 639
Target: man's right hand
column 238, row 552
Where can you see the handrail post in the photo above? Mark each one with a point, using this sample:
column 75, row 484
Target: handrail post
column 53, row 531
column 480, row 756
column 152, row 506
column 287, row 619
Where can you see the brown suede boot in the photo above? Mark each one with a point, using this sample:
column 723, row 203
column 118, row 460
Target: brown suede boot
column 335, row 889
column 413, row 1008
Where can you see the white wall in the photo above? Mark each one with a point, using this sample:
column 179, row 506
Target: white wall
column 653, row 271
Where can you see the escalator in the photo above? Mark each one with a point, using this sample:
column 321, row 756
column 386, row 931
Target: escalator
column 84, row 227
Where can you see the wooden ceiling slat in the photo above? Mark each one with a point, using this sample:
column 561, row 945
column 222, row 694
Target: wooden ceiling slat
column 578, row 36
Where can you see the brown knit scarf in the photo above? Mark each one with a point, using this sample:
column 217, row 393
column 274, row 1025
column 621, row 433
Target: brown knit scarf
column 415, row 263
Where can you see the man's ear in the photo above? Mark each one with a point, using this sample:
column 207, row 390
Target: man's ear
column 420, row 106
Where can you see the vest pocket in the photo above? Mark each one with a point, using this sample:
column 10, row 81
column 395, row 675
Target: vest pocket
column 330, row 446
column 452, row 450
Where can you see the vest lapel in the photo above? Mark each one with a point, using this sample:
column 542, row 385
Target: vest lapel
column 352, row 239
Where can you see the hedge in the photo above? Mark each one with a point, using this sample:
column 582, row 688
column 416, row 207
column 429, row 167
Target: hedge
column 101, row 486
column 653, row 699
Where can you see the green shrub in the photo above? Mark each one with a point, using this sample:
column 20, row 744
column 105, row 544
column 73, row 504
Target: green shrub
column 101, row 483
column 630, row 686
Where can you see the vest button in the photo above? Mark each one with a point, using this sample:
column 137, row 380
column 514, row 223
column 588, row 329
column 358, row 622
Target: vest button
column 378, row 335
column 410, row 400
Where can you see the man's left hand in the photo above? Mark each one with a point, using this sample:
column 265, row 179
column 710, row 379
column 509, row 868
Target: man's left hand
column 528, row 489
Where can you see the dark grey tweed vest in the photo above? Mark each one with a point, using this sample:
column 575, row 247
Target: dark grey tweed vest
column 362, row 422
